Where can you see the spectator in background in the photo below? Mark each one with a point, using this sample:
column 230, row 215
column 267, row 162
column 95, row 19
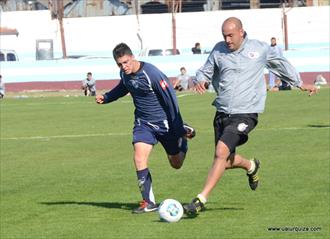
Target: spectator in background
column 280, row 85
column 182, row 80
column 89, row 85
column 197, row 48
column 274, row 48
column 2, row 88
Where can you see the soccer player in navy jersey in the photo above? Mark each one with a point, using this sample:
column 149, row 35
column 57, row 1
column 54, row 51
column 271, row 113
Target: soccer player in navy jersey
column 157, row 117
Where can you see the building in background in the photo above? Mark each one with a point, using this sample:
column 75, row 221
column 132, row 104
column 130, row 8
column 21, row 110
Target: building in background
column 91, row 8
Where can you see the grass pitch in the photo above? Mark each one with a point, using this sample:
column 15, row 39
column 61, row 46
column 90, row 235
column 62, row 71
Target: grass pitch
column 67, row 172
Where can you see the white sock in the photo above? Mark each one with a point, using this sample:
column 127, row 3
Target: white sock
column 202, row 198
column 252, row 168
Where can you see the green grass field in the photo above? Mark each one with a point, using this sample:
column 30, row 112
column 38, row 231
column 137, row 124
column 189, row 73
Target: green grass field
column 67, row 172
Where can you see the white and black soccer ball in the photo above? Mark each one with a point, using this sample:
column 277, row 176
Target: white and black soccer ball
column 170, row 210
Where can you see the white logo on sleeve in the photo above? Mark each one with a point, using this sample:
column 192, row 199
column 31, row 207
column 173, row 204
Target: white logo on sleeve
column 242, row 127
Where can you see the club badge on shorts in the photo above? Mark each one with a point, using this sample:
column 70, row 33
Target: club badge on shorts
column 242, row 127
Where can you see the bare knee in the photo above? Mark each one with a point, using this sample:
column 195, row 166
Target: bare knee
column 222, row 155
column 176, row 161
column 176, row 165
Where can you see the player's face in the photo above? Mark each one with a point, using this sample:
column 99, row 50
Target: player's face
column 232, row 36
column 127, row 64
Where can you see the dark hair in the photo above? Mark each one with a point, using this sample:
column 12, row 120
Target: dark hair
column 89, row 73
column 182, row 68
column 121, row 50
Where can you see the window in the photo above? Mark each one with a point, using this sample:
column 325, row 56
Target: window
column 156, row 52
column 11, row 57
column 169, row 52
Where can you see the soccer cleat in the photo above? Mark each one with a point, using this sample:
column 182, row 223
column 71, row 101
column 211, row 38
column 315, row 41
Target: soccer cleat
column 190, row 131
column 192, row 209
column 253, row 177
column 145, row 207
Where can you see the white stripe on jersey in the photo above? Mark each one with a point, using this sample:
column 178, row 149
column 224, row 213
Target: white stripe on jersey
column 149, row 81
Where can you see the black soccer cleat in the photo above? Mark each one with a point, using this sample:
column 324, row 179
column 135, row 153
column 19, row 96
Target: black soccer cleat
column 190, row 131
column 145, row 207
column 192, row 209
column 253, row 177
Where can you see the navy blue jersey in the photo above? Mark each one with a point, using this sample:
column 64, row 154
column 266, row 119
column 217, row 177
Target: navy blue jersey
column 153, row 95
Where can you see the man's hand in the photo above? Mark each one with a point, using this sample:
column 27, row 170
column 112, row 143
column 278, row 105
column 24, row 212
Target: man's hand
column 201, row 86
column 99, row 99
column 310, row 88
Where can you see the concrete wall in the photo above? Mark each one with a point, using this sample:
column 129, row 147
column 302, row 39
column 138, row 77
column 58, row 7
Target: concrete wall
column 308, row 38
column 101, row 34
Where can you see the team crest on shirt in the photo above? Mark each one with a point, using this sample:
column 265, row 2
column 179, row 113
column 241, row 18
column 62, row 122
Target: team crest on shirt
column 163, row 84
column 253, row 54
column 135, row 84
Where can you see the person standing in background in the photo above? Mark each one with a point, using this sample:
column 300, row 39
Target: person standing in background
column 182, row 80
column 89, row 85
column 2, row 88
column 197, row 48
column 275, row 49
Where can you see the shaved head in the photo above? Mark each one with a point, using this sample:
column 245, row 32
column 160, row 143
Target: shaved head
column 233, row 33
column 234, row 22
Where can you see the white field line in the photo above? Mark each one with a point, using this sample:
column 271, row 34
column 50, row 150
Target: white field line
column 183, row 95
column 64, row 136
column 129, row 133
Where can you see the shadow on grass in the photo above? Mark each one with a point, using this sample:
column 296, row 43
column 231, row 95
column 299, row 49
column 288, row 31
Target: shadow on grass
column 319, row 125
column 118, row 205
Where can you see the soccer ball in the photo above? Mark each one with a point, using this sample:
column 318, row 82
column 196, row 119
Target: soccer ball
column 170, row 210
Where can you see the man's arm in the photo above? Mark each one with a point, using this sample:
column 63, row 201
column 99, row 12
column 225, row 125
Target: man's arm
column 204, row 74
column 166, row 95
column 282, row 68
column 119, row 91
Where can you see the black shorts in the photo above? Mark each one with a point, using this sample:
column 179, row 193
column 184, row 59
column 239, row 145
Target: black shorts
column 233, row 129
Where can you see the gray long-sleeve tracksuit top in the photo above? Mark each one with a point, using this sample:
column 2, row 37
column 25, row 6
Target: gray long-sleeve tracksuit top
column 238, row 76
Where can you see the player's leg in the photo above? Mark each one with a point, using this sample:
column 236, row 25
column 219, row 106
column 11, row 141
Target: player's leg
column 143, row 141
column 141, row 154
column 176, row 153
column 220, row 163
column 175, row 142
column 175, row 147
column 229, row 133
column 238, row 161
column 242, row 126
column 251, row 167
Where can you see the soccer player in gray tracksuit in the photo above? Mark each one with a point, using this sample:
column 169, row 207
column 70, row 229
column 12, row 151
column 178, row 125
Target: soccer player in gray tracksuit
column 235, row 67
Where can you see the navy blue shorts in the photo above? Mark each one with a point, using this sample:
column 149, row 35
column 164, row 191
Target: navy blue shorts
column 151, row 133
